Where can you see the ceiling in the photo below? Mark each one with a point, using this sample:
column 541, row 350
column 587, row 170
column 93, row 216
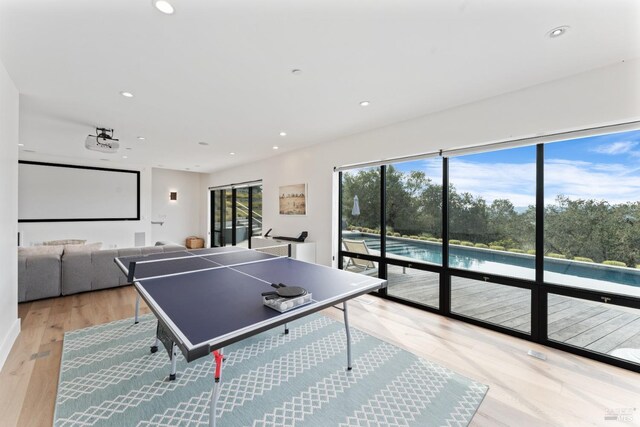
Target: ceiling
column 220, row 71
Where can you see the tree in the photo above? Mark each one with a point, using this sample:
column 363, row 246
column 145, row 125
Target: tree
column 468, row 217
column 593, row 229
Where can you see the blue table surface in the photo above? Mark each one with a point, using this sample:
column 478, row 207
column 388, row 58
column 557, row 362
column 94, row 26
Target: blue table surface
column 208, row 304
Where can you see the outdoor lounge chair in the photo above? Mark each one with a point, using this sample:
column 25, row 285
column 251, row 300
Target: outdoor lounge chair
column 358, row 265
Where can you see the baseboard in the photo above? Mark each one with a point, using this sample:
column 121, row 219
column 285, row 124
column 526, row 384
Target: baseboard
column 8, row 341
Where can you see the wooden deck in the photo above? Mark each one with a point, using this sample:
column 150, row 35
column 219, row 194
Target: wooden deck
column 594, row 326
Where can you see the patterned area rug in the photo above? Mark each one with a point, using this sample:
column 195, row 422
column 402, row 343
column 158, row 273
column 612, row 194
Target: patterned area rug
column 108, row 377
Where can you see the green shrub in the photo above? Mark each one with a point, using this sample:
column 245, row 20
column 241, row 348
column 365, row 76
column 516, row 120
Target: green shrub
column 440, row 239
column 433, row 239
column 454, row 242
column 554, row 255
column 423, row 238
column 507, row 243
column 614, row 263
column 413, row 236
column 426, row 235
column 531, row 251
column 405, row 236
column 396, row 234
column 637, row 265
column 515, row 250
column 497, row 247
column 583, row 259
column 389, row 233
column 465, row 243
column 481, row 245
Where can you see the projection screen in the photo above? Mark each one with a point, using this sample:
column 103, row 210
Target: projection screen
column 49, row 192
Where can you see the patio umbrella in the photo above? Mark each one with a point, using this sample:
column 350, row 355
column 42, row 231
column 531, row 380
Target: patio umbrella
column 356, row 207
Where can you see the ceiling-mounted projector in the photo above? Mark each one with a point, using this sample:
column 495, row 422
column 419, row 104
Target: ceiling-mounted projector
column 103, row 141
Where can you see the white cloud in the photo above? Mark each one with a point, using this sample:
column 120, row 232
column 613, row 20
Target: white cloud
column 615, row 183
column 618, row 147
column 516, row 182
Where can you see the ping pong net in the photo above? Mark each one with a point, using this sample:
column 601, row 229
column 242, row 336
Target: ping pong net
column 278, row 250
column 191, row 261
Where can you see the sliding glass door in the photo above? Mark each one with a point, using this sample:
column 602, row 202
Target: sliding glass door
column 236, row 215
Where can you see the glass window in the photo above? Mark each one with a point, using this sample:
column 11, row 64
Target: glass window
column 491, row 302
column 361, row 215
column 414, row 285
column 414, row 210
column 595, row 326
column 218, row 216
column 492, row 198
column 242, row 217
column 228, row 217
column 592, row 213
column 256, row 210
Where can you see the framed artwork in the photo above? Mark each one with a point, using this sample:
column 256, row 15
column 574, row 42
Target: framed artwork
column 293, row 199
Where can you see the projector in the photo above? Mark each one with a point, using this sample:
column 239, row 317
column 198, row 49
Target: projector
column 103, row 141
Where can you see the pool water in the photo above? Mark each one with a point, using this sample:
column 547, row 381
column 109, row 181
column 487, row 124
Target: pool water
column 508, row 264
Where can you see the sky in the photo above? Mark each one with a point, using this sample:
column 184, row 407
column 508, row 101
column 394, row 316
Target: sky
column 605, row 167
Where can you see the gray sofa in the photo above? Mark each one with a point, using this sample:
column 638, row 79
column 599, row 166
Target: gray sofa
column 51, row 273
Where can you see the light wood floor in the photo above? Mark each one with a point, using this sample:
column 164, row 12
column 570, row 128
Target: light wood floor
column 564, row 390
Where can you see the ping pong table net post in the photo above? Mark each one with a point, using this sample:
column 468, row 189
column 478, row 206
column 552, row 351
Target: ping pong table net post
column 131, row 271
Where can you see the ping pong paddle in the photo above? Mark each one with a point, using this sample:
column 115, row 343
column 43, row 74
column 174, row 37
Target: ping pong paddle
column 284, row 291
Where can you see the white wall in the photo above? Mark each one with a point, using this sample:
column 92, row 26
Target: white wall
column 182, row 218
column 603, row 96
column 112, row 234
column 9, row 322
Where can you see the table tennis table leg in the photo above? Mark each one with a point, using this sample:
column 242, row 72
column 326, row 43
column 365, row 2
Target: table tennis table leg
column 174, row 358
column 346, row 325
column 215, row 392
column 137, row 308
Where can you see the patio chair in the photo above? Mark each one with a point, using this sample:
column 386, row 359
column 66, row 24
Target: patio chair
column 358, row 265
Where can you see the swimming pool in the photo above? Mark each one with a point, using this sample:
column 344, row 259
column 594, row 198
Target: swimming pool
column 560, row 271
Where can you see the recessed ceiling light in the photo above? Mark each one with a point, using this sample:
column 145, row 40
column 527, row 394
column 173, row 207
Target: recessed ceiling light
column 126, row 94
column 141, row 138
column 203, row 143
column 283, row 134
column 365, row 103
column 163, row 6
column 20, row 145
column 275, row 147
column 125, row 157
column 557, row 32
column 232, row 153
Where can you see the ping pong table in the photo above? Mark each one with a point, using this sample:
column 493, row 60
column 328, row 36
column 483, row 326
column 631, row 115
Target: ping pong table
column 206, row 299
